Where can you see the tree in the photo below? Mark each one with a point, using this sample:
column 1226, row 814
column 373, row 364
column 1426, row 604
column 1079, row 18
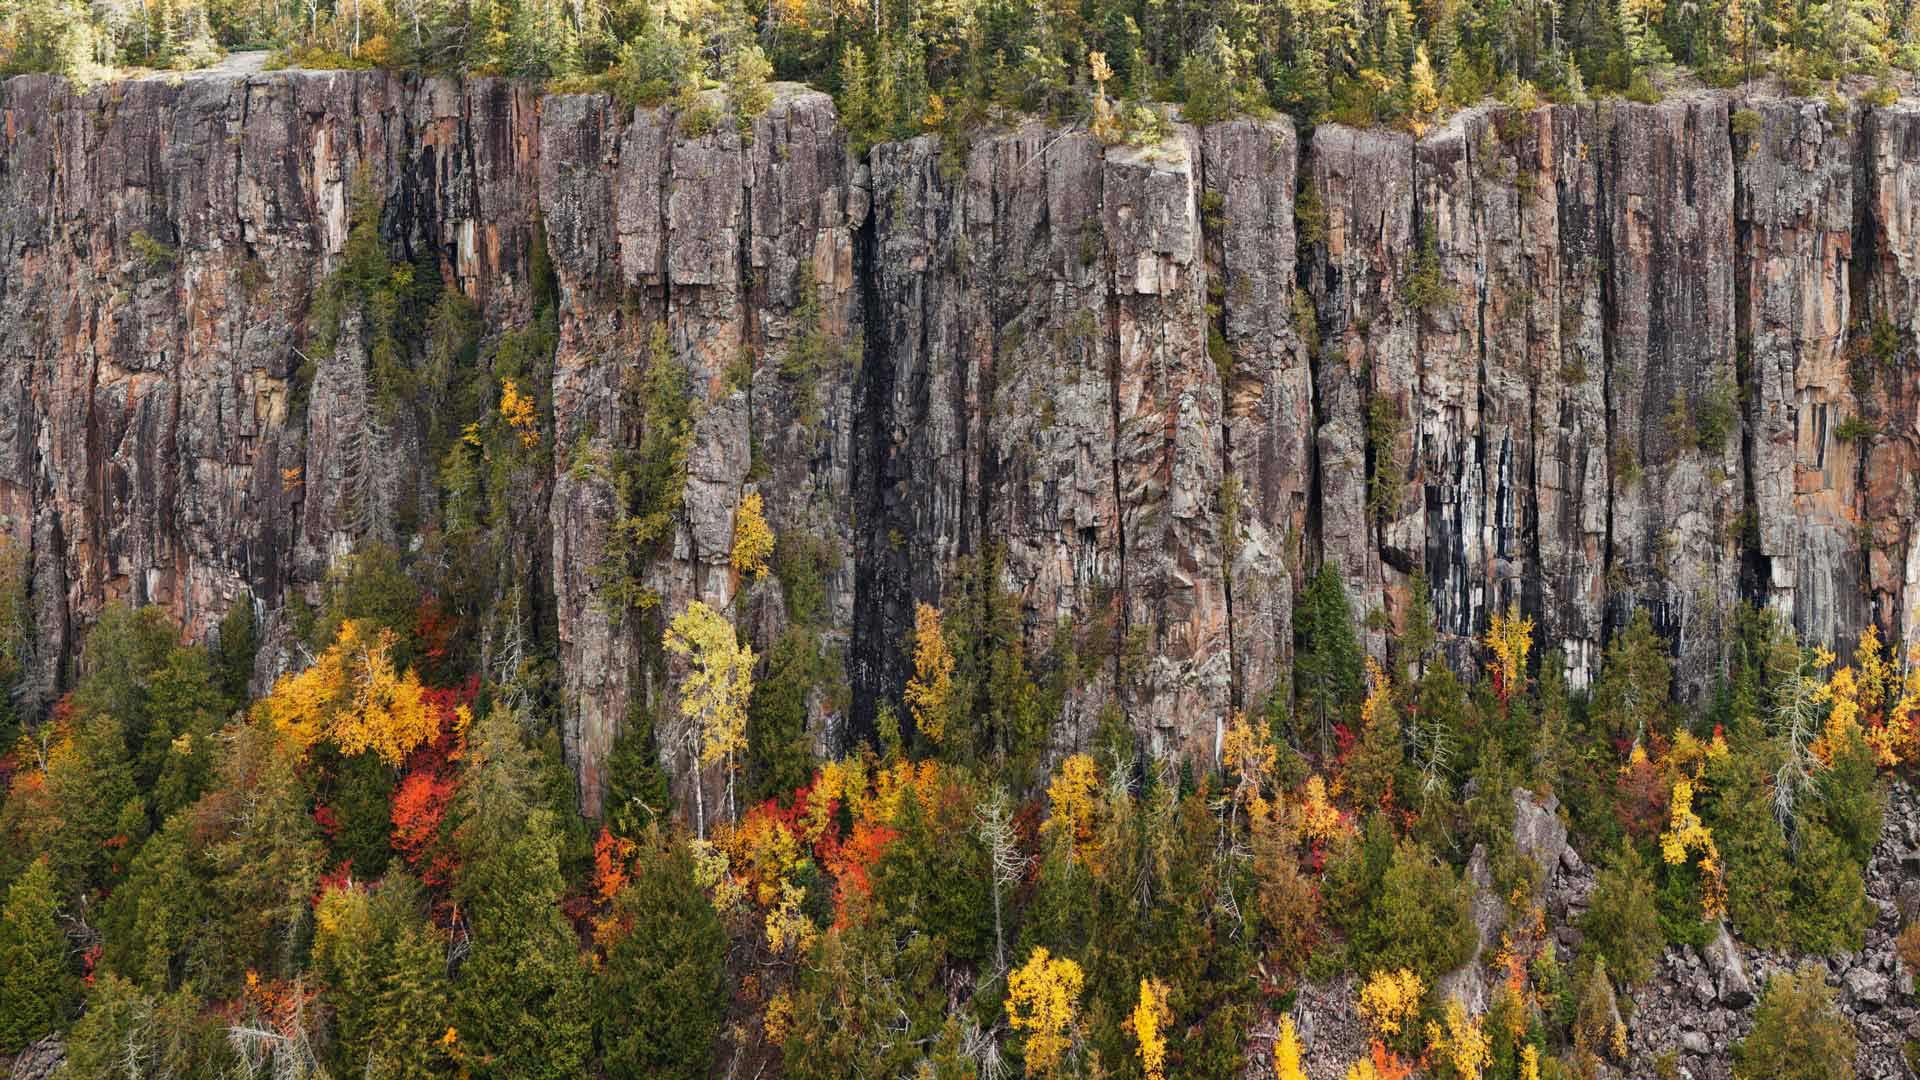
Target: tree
column 1043, row 1000
column 1286, row 1053
column 1390, row 1001
column 1422, row 919
column 1006, row 863
column 1798, row 1033
column 233, row 649
column 1379, row 755
column 127, row 1033
column 713, row 695
column 662, row 994
column 1510, row 640
column 1630, row 699
column 261, row 852
column 89, row 782
column 1327, row 658
column 752, row 538
column 1149, row 1021
column 520, row 1003
column 35, row 988
column 932, row 682
column 1623, row 924
column 412, row 1038
column 353, row 698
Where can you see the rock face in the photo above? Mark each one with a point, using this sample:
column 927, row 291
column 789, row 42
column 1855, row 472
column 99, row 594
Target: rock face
column 1587, row 360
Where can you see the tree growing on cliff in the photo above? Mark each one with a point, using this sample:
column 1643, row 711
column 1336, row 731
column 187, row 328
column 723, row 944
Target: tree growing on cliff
column 1327, row 659
column 931, row 687
column 713, row 696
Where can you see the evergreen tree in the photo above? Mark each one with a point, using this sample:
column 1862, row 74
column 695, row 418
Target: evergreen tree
column 35, row 986
column 1636, row 681
column 662, row 994
column 412, row 1010
column 1798, row 1032
column 1622, row 925
column 520, row 995
column 1327, row 661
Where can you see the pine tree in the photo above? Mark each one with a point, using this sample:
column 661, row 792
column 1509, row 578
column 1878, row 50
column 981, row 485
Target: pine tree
column 35, row 987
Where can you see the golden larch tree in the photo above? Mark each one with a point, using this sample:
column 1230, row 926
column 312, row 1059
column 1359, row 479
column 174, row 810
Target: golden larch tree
column 1149, row 1022
column 353, row 698
column 752, row 537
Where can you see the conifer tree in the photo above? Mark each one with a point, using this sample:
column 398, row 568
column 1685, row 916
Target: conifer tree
column 520, row 994
column 662, row 989
column 35, row 986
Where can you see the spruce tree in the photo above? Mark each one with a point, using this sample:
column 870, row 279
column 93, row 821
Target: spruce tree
column 1327, row 660
column 35, row 987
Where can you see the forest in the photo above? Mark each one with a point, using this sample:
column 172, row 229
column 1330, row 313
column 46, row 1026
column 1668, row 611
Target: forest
column 377, row 868
column 900, row 69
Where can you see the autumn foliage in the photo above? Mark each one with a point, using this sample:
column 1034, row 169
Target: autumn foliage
column 353, row 698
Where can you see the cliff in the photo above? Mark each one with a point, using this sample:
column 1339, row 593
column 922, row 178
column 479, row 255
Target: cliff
column 1587, row 359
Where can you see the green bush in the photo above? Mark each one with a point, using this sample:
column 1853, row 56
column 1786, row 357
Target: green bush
column 1622, row 925
column 1798, row 1032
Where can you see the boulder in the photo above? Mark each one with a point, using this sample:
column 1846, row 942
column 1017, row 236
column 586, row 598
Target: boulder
column 1722, row 954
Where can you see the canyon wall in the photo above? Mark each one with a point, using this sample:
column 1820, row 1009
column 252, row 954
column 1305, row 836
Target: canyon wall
column 1586, row 359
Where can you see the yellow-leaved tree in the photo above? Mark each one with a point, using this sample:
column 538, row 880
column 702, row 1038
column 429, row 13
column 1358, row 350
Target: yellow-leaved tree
column 932, row 682
column 1043, row 1000
column 1286, row 1053
column 1687, row 835
column 1070, row 802
column 1149, row 1022
column 1249, row 756
column 520, row 412
column 353, row 698
column 713, row 695
column 1390, row 1002
column 752, row 537
column 1510, row 638
column 1462, row 1044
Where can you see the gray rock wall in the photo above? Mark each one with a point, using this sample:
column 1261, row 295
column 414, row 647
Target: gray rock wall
column 1126, row 377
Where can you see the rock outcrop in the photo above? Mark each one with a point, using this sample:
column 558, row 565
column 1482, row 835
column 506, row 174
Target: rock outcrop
column 1585, row 359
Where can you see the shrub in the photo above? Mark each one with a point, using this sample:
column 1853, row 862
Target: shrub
column 154, row 255
column 1798, row 1033
column 1623, row 925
